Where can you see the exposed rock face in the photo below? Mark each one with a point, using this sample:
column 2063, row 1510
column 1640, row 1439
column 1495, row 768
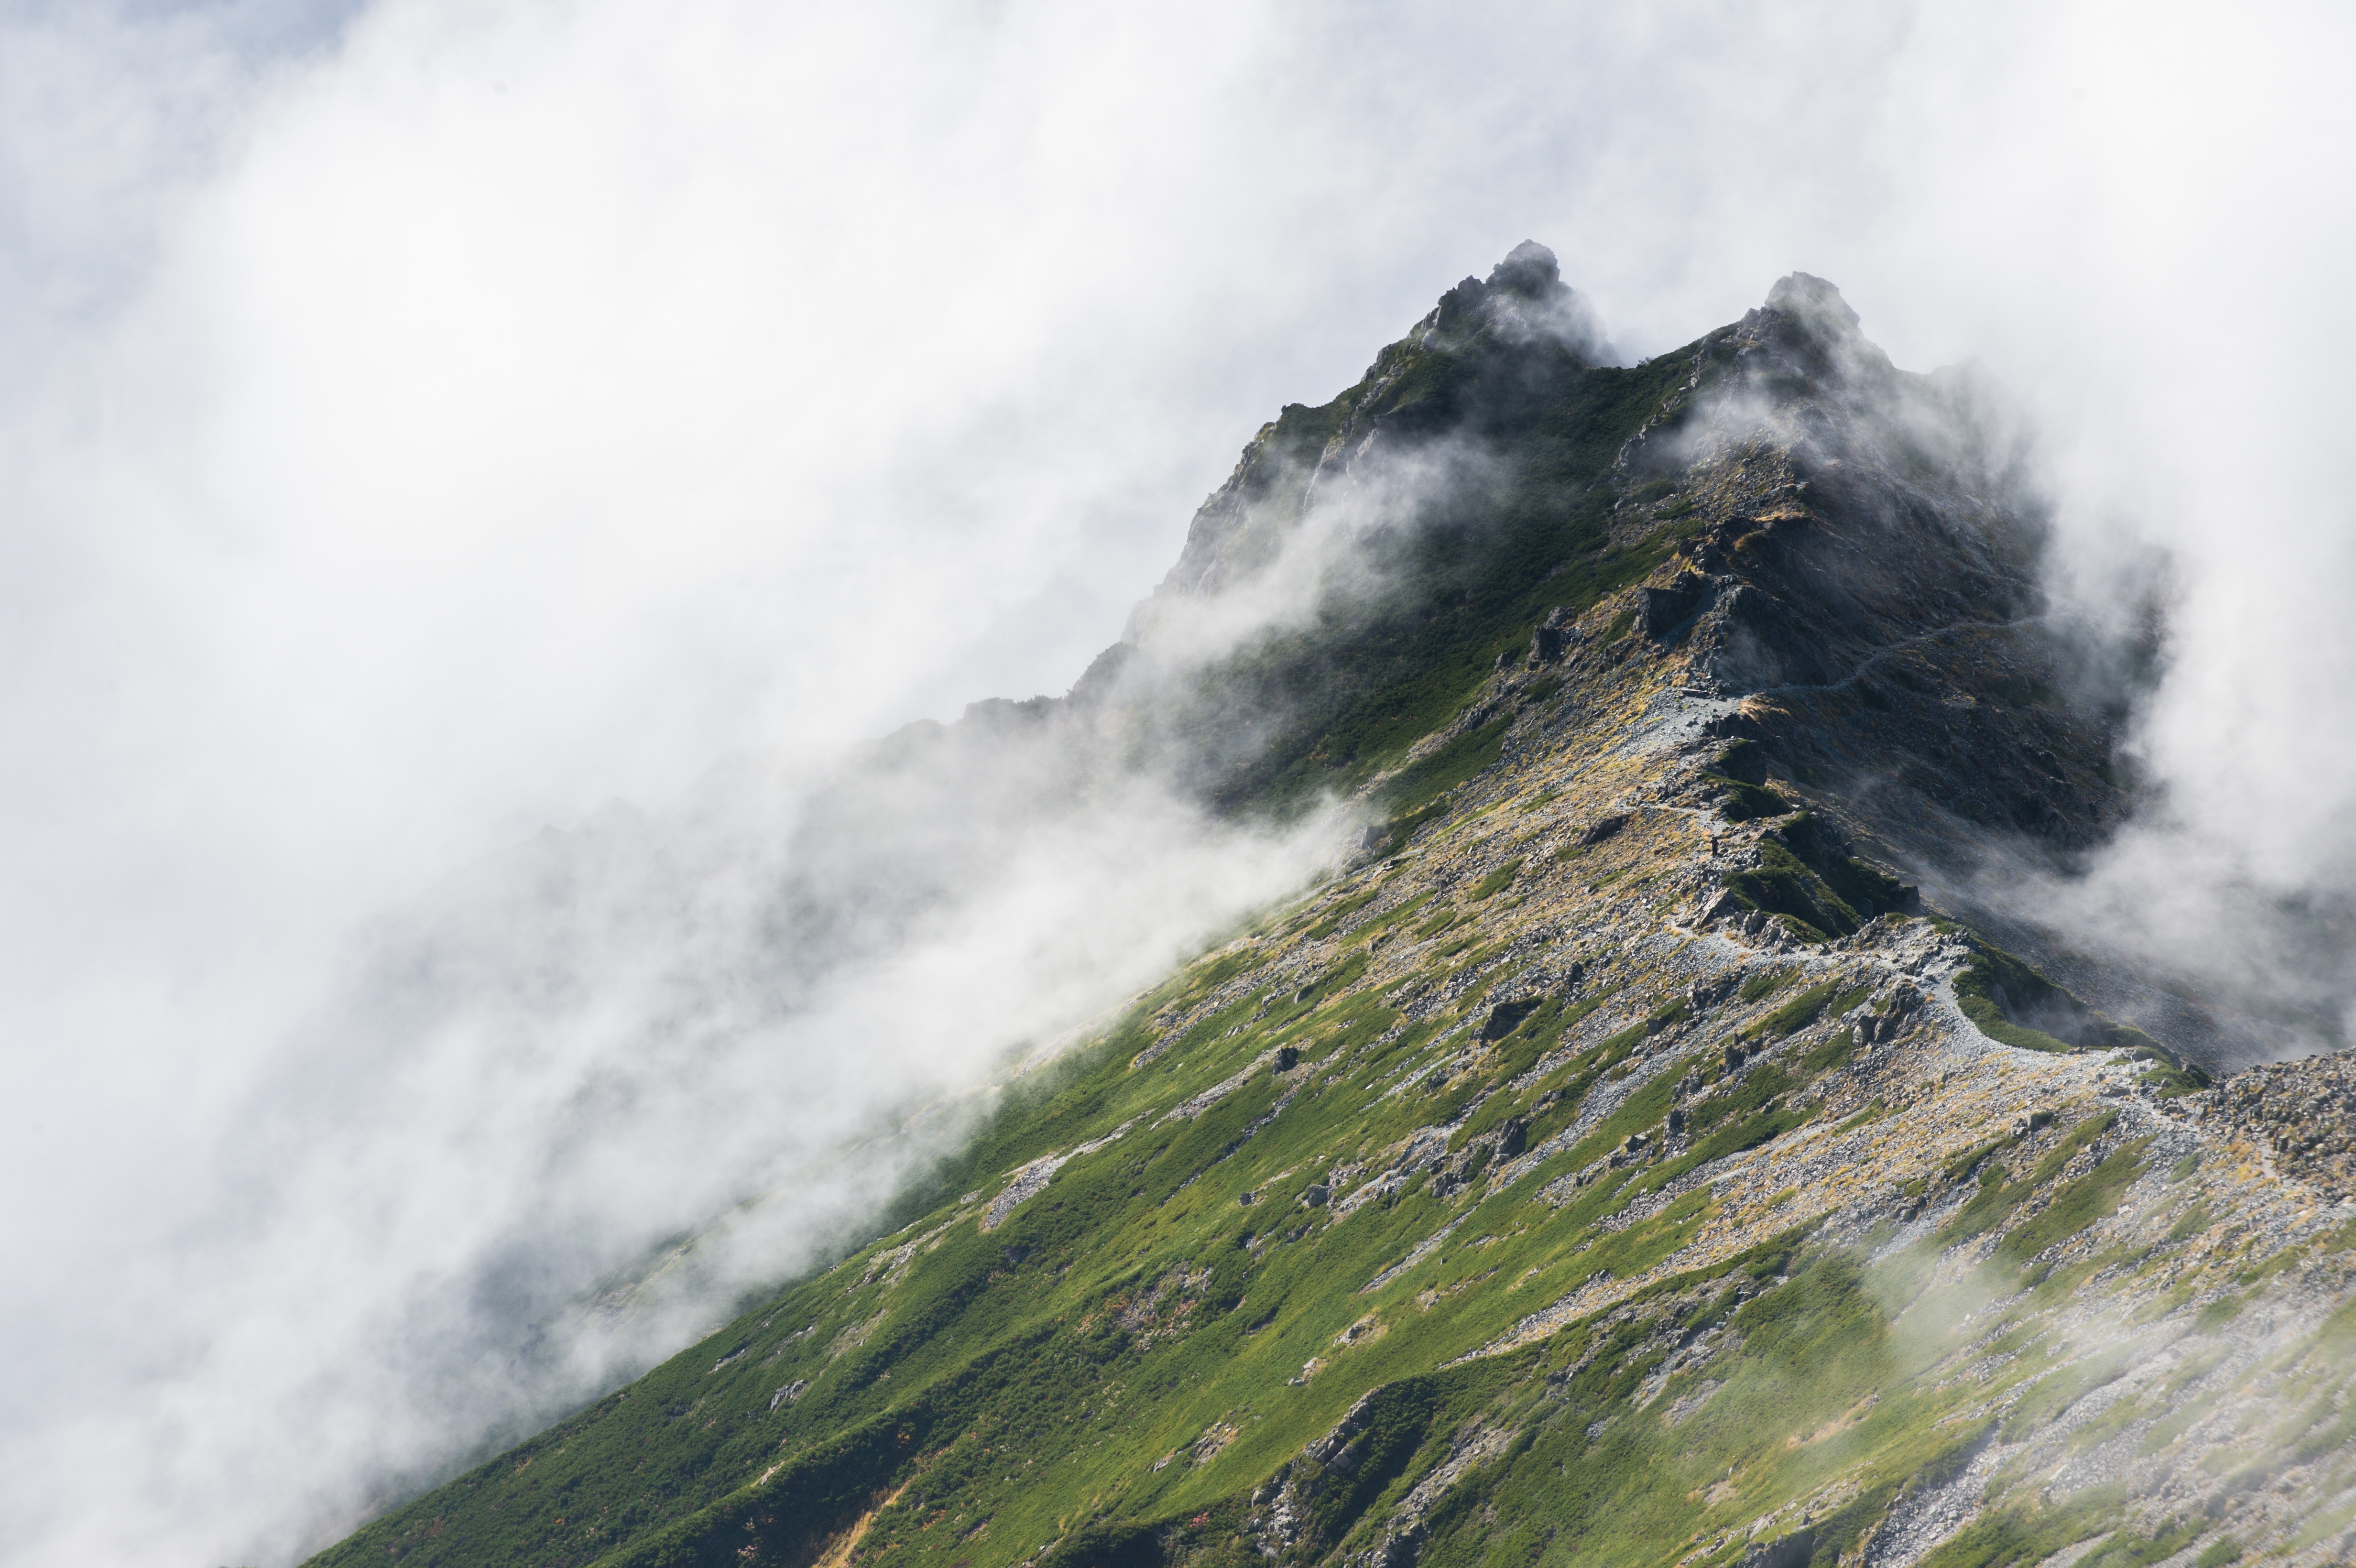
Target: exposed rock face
column 1859, row 561
column 1523, row 326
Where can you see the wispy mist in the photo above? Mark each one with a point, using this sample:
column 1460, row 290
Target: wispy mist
column 604, row 1040
column 424, row 422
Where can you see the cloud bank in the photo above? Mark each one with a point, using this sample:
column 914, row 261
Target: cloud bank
column 425, row 422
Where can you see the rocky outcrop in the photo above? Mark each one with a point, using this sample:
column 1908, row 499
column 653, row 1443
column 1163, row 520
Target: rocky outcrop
column 1524, row 316
column 2302, row 1114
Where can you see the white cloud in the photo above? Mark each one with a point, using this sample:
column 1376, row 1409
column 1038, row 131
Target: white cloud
column 428, row 422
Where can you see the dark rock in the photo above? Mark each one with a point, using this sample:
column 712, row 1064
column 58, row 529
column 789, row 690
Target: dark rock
column 1791, row 1551
column 1507, row 1017
column 1513, row 1138
column 1530, row 268
column 1603, row 827
column 1809, row 298
column 1735, row 1056
column 1399, row 1551
column 1661, row 610
column 1288, row 1057
column 1327, row 1449
column 1317, row 1195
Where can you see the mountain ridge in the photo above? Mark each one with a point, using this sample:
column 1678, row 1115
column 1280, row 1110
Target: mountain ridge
column 1616, row 1159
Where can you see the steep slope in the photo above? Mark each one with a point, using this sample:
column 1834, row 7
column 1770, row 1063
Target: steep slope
column 1616, row 1162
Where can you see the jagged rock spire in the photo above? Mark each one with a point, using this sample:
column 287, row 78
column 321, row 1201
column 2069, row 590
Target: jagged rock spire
column 1805, row 295
column 1523, row 299
column 1529, row 269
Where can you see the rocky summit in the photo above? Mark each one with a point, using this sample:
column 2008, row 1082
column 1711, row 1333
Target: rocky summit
column 1639, row 1149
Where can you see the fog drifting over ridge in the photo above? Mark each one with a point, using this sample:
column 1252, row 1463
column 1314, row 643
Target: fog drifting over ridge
column 424, row 422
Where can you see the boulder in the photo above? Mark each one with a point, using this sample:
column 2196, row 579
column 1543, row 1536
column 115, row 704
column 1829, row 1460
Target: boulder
column 1507, row 1017
column 1791, row 1551
column 1660, row 610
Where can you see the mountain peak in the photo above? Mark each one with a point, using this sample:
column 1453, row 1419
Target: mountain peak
column 1529, row 270
column 1523, row 300
column 1811, row 299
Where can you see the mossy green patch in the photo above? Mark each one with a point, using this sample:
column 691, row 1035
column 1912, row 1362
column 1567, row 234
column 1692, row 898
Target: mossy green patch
column 1797, row 1014
column 1740, row 802
column 1496, row 883
column 1462, row 757
column 2014, row 1005
column 2094, row 1196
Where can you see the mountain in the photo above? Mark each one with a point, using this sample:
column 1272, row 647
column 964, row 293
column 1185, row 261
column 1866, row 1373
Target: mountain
column 1622, row 1157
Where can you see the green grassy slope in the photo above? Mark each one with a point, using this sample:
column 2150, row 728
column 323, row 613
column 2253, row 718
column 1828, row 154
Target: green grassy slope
column 1113, row 1371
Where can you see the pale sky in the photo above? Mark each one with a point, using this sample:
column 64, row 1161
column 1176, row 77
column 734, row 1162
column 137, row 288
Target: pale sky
column 422, row 422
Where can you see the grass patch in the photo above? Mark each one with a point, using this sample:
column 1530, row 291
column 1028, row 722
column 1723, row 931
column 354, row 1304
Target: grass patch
column 1795, row 1015
column 1468, row 753
column 1740, row 802
column 1340, row 914
column 2014, row 1005
column 1997, row 1198
column 1496, row 883
column 2093, row 1197
column 1834, row 1052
